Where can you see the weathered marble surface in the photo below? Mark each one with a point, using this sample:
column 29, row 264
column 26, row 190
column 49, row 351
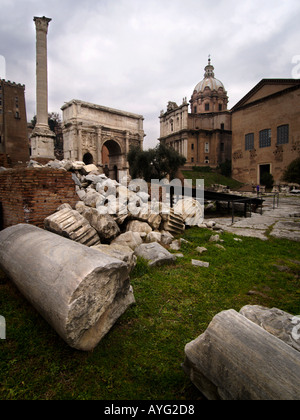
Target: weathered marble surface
column 80, row 291
column 235, row 359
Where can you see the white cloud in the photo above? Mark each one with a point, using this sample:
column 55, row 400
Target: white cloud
column 137, row 55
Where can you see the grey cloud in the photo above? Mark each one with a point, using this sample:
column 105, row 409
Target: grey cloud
column 137, row 55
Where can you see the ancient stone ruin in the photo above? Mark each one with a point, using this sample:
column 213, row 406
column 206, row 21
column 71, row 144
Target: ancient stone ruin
column 112, row 213
column 81, row 291
column 246, row 356
column 75, row 271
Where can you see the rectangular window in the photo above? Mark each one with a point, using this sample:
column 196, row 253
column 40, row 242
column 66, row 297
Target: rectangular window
column 265, row 138
column 283, row 134
column 193, row 147
column 220, row 107
column 206, row 149
column 206, row 107
column 249, row 141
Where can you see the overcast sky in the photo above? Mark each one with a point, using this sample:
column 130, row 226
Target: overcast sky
column 136, row 55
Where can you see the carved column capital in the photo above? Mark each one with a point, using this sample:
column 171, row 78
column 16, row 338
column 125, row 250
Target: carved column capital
column 41, row 23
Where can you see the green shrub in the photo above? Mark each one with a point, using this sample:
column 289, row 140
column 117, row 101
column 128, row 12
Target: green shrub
column 267, row 180
column 226, row 168
column 292, row 173
column 154, row 163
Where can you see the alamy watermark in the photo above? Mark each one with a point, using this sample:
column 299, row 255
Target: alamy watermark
column 2, row 328
column 134, row 198
column 296, row 329
column 2, row 67
column 296, row 68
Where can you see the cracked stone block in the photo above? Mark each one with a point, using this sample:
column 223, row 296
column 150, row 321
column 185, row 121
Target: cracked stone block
column 275, row 321
column 173, row 223
column 121, row 252
column 72, row 225
column 155, row 253
column 104, row 224
column 191, row 211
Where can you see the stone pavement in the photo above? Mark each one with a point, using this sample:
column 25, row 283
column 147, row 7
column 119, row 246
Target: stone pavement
column 282, row 222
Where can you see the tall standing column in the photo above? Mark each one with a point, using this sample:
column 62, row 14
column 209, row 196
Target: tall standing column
column 42, row 144
column 99, row 146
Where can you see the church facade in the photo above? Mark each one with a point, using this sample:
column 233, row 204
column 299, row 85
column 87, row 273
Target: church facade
column 203, row 133
column 100, row 135
column 266, row 130
column 260, row 134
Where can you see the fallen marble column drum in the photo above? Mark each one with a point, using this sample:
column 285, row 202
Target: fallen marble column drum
column 235, row 359
column 80, row 291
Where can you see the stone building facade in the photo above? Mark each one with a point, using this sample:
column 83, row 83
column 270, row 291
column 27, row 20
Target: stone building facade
column 100, row 135
column 203, row 135
column 14, row 145
column 266, row 130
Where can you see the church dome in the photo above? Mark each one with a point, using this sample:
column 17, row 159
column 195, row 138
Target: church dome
column 209, row 80
column 211, row 83
column 209, row 95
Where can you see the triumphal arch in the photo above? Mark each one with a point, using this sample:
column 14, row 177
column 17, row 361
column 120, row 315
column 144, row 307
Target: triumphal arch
column 100, row 135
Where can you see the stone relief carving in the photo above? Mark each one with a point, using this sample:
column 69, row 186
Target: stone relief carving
column 253, row 154
column 296, row 146
column 278, row 153
column 89, row 140
column 238, row 155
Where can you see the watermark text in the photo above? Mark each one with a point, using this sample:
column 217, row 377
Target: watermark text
column 2, row 67
column 296, row 329
column 137, row 199
column 296, row 68
column 2, row 328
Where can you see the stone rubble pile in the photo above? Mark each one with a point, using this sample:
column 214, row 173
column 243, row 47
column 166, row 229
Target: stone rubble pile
column 110, row 214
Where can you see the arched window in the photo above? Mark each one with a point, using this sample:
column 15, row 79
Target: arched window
column 172, row 125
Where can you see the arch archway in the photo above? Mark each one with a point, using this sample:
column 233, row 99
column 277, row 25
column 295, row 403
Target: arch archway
column 112, row 158
column 88, row 158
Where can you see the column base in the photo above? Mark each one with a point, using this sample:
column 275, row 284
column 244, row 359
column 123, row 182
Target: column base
column 42, row 143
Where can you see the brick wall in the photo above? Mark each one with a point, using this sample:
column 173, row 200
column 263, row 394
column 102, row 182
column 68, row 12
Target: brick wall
column 5, row 161
column 30, row 195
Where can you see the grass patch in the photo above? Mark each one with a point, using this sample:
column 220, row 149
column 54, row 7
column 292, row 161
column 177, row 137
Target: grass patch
column 140, row 357
column 211, row 178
